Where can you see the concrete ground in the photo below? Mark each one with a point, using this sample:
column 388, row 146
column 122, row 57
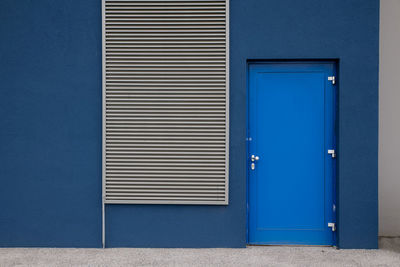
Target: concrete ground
column 387, row 255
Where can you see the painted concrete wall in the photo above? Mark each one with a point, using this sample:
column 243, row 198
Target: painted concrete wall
column 389, row 125
column 50, row 117
column 347, row 30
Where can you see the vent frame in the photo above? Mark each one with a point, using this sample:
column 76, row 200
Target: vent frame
column 105, row 199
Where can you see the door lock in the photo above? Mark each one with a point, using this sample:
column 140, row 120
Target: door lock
column 253, row 166
column 253, row 159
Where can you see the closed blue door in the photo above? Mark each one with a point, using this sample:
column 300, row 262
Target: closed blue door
column 291, row 168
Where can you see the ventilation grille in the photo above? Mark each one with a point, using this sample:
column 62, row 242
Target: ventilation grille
column 165, row 101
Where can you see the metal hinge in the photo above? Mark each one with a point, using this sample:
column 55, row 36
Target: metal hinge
column 333, row 226
column 332, row 153
column 332, row 78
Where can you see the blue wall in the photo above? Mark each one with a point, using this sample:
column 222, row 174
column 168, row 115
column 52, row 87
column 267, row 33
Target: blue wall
column 50, row 112
column 347, row 30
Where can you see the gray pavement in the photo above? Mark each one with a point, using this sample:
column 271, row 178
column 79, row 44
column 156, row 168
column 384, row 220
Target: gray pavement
column 387, row 255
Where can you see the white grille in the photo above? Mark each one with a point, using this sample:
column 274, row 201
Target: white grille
column 165, row 100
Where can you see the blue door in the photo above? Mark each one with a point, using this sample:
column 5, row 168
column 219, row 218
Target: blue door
column 291, row 113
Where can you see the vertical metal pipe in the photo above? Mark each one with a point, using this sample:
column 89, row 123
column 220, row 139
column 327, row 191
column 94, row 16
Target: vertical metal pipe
column 103, row 194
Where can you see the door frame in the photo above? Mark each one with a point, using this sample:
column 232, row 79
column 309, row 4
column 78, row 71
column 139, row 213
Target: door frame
column 335, row 63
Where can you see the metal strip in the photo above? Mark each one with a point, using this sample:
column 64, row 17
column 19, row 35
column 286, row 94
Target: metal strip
column 103, row 175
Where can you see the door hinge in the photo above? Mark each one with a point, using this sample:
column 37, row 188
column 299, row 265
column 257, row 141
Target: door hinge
column 332, row 78
column 333, row 226
column 332, row 153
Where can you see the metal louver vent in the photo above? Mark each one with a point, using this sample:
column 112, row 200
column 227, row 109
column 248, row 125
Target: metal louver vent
column 165, row 101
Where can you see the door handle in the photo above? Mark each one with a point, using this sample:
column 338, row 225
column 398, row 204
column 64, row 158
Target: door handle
column 253, row 159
